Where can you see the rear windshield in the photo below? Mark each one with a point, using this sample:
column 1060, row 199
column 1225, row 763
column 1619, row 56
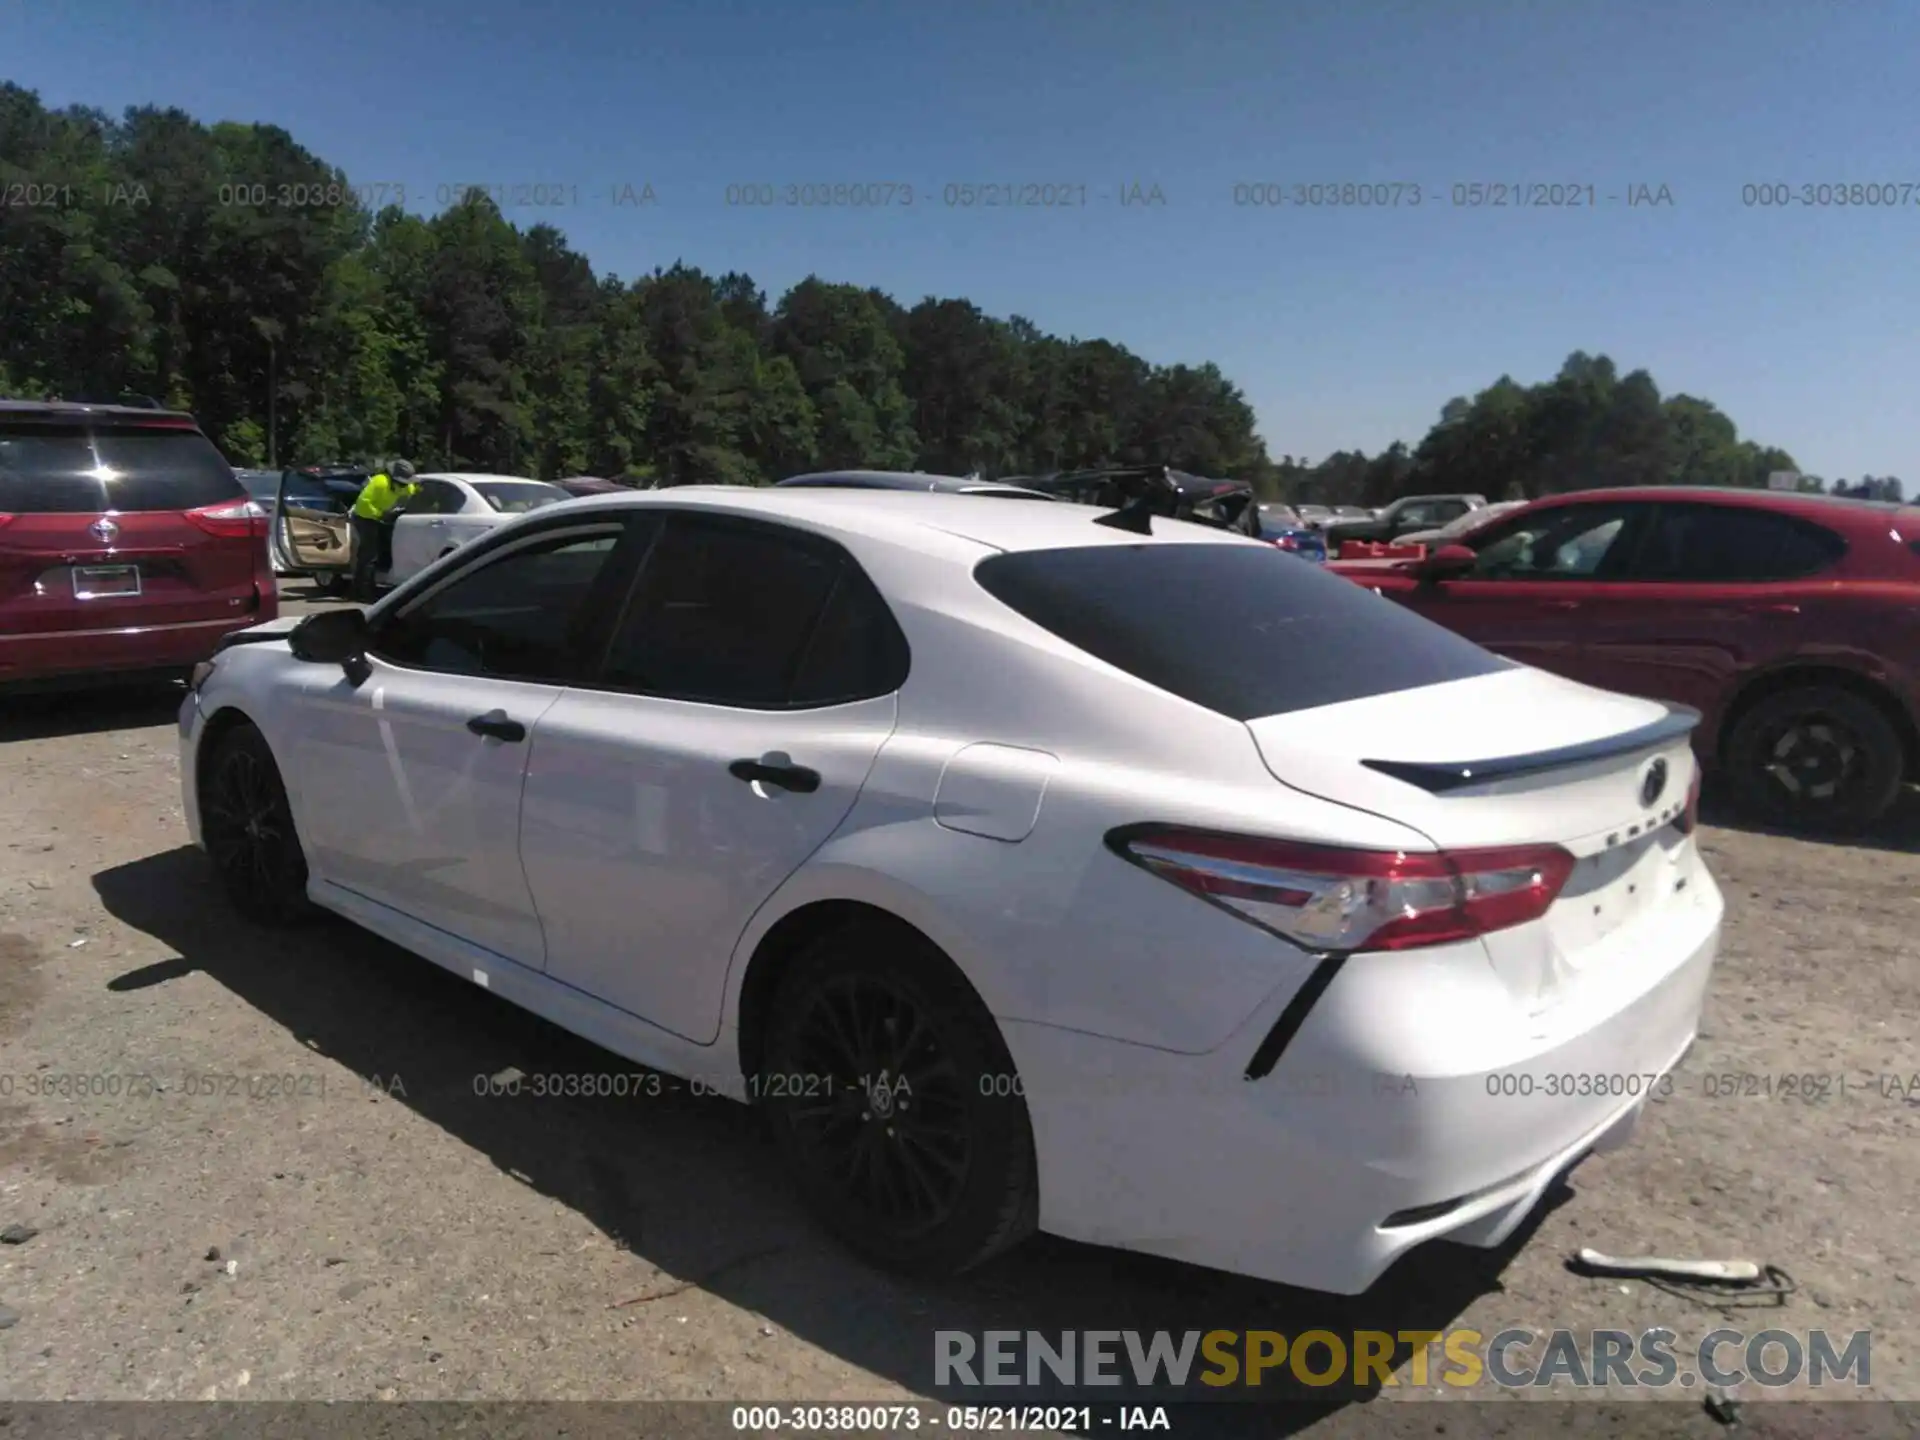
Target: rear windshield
column 516, row 497
column 1241, row 630
column 73, row 469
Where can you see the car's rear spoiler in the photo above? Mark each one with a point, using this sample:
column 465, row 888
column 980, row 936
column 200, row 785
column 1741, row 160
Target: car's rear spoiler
column 1438, row 777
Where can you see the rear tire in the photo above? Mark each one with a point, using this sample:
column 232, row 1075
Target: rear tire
column 1814, row 758
column 247, row 825
column 883, row 1083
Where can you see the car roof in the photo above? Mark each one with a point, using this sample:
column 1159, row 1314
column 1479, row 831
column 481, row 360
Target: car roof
column 1834, row 509
column 928, row 523
column 82, row 410
column 910, row 480
column 468, row 477
column 1182, row 483
column 877, row 480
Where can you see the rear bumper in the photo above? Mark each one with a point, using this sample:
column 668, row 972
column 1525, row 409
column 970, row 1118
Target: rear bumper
column 55, row 656
column 1387, row 1121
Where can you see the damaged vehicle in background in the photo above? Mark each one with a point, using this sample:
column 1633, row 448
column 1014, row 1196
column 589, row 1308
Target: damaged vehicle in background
column 1149, row 490
column 776, row 789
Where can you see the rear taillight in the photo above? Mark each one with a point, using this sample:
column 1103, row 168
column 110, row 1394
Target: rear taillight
column 1690, row 816
column 1287, row 542
column 5, row 520
column 236, row 521
column 1330, row 898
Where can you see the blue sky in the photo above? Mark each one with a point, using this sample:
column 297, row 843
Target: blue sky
column 1344, row 328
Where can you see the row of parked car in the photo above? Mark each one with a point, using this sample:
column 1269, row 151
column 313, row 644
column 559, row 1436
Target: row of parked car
column 127, row 545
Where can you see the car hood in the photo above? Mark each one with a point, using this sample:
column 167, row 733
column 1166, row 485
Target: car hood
column 276, row 629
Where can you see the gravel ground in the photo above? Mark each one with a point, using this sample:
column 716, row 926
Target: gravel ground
column 370, row 1227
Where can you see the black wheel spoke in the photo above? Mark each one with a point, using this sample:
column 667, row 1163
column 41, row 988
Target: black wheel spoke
column 249, row 829
column 897, row 1143
column 1812, row 760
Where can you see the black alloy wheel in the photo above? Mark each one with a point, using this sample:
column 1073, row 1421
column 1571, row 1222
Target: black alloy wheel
column 247, row 825
column 1816, row 757
column 893, row 1100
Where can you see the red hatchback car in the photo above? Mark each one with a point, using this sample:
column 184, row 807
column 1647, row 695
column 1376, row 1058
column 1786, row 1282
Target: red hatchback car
column 127, row 546
column 1791, row 622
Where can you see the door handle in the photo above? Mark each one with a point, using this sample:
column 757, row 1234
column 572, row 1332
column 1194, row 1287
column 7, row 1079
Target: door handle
column 786, row 777
column 1780, row 609
column 1560, row 605
column 498, row 726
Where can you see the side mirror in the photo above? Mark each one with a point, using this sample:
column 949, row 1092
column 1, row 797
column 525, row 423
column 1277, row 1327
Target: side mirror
column 333, row 637
column 1446, row 562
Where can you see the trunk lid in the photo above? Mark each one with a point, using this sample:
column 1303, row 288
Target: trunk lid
column 1521, row 757
column 1515, row 757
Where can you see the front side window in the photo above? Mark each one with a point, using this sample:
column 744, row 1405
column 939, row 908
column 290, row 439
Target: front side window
column 436, row 497
column 1577, row 542
column 519, row 615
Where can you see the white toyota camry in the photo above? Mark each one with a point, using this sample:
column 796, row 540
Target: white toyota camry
column 1033, row 871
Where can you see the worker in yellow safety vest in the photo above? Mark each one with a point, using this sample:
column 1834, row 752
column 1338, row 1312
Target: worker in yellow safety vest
column 372, row 522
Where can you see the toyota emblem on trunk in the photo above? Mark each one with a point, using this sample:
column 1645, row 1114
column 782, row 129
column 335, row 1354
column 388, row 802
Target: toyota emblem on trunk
column 1654, row 784
column 104, row 530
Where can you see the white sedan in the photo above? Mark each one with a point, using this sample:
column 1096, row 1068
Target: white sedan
column 451, row 510
column 1031, row 870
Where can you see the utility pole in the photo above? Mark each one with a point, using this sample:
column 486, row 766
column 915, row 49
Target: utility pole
column 270, row 331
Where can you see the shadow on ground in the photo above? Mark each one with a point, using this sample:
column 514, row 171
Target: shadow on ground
column 690, row 1186
column 1898, row 831
column 51, row 715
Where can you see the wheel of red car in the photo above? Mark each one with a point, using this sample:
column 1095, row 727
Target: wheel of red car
column 248, row 828
column 1816, row 757
column 895, row 1104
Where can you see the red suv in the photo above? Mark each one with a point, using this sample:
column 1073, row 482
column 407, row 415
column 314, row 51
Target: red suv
column 1791, row 622
column 127, row 546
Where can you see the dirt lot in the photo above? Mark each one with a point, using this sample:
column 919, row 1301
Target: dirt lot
column 373, row 1228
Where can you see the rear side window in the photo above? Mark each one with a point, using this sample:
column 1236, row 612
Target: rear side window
column 72, row 469
column 856, row 650
column 1733, row 543
column 756, row 617
column 1240, row 630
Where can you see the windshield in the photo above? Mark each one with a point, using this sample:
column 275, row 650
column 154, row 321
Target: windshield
column 516, row 497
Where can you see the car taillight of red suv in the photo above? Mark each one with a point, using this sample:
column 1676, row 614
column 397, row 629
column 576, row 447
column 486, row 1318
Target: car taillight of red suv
column 127, row 546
